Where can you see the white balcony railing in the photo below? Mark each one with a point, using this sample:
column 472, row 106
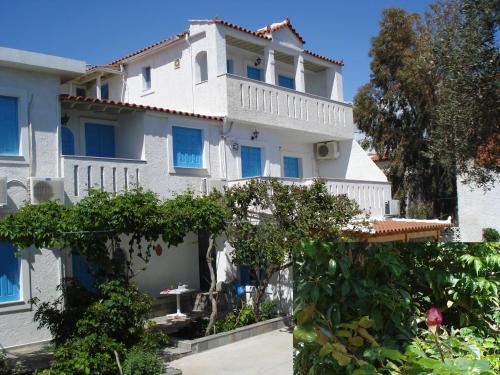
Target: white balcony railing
column 369, row 195
column 266, row 104
column 107, row 174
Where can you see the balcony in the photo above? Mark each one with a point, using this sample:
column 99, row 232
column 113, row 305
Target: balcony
column 107, row 174
column 369, row 195
column 260, row 103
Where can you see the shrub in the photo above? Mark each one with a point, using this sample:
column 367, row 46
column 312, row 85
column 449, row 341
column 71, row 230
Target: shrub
column 244, row 317
column 491, row 235
column 267, row 310
column 4, row 367
column 140, row 362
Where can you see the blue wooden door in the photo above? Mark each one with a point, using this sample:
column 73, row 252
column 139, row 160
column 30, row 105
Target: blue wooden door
column 9, row 126
column 291, row 166
column 251, row 161
column 285, row 81
column 82, row 272
column 10, row 268
column 254, row 73
column 100, row 140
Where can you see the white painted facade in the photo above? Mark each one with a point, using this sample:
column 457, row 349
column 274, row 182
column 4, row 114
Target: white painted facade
column 477, row 209
column 288, row 122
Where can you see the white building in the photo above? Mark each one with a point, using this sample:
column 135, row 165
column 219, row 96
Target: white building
column 212, row 106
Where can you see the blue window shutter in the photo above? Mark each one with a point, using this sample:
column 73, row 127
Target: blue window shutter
column 67, row 141
column 9, row 273
column 254, row 73
column 9, row 126
column 82, row 272
column 251, row 162
column 230, row 66
column 285, row 81
column 291, row 166
column 100, row 140
column 105, row 91
column 188, row 147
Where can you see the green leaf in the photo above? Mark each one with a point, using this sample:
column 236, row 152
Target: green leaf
column 332, row 267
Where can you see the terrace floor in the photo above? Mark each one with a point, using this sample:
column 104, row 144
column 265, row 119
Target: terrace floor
column 267, row 354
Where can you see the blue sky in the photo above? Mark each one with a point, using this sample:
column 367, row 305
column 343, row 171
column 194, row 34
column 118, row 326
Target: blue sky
column 100, row 31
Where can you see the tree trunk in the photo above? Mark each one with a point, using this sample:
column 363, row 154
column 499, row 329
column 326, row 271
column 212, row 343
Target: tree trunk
column 213, row 284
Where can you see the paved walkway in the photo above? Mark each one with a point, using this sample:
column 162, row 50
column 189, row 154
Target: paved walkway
column 267, row 354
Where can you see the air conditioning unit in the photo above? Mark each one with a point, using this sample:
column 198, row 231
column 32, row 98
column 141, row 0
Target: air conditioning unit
column 210, row 184
column 46, row 189
column 3, row 191
column 392, row 207
column 327, row 150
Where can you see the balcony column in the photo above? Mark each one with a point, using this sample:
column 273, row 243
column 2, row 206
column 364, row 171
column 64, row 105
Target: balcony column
column 334, row 86
column 300, row 84
column 98, row 87
column 269, row 66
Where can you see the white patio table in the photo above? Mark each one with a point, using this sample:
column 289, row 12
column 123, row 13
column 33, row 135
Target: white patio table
column 177, row 293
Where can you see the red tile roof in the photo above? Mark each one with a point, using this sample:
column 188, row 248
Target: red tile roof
column 151, row 46
column 277, row 26
column 385, row 227
column 239, row 28
column 137, row 106
column 327, row 59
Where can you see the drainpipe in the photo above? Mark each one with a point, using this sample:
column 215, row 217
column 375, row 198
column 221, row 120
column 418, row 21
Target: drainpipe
column 223, row 135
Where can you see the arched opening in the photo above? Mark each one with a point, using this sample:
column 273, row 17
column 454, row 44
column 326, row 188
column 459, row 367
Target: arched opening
column 67, row 141
column 201, row 73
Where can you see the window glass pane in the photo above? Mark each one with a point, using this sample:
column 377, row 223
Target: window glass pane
column 230, row 66
column 251, row 162
column 68, row 141
column 188, row 147
column 146, row 78
column 80, row 92
column 254, row 73
column 9, row 273
column 105, row 91
column 291, row 166
column 284, row 81
column 100, row 140
column 9, row 126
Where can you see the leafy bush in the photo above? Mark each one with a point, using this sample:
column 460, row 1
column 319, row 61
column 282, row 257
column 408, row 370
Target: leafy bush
column 244, row 317
column 106, row 328
column 267, row 310
column 391, row 286
column 140, row 362
column 4, row 367
column 491, row 235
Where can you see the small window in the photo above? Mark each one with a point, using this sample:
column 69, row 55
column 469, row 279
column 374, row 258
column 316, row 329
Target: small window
column 201, row 67
column 146, row 78
column 105, row 91
column 230, row 66
column 80, row 92
column 292, row 167
column 287, row 82
column 100, row 140
column 10, row 270
column 188, row 147
column 67, row 141
column 254, row 73
column 9, row 126
column 251, row 162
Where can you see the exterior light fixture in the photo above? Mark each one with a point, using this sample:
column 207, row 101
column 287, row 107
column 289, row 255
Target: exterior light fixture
column 257, row 62
column 255, row 135
column 64, row 119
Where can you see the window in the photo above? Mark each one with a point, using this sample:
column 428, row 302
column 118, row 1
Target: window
column 10, row 270
column 188, row 147
column 100, row 140
column 230, row 66
column 285, row 81
column 201, row 67
column 80, row 91
column 9, row 126
column 254, row 73
column 292, row 167
column 251, row 161
column 105, row 91
column 146, row 78
column 67, row 141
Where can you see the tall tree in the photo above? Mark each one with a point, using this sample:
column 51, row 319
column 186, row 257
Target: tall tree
column 396, row 111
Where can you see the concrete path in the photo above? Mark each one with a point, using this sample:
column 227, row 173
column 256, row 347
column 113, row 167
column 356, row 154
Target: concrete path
column 267, row 354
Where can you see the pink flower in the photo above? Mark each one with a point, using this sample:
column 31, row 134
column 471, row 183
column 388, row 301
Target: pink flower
column 434, row 317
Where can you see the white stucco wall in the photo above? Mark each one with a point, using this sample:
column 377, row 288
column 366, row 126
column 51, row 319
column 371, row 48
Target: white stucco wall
column 477, row 209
